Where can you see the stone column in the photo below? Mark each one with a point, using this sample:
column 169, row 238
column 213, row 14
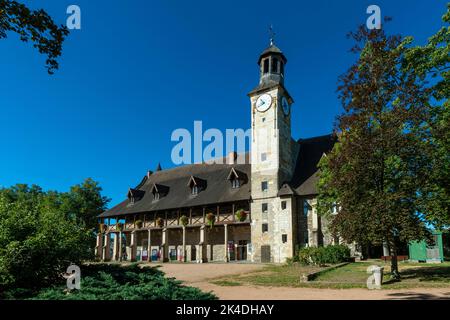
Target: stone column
column 202, row 245
column 99, row 246
column 115, row 247
column 149, row 245
column 106, row 247
column 165, row 246
column 120, row 246
column 225, row 227
column 133, row 246
column 184, row 244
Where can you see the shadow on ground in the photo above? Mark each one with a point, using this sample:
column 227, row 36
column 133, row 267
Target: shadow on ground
column 418, row 296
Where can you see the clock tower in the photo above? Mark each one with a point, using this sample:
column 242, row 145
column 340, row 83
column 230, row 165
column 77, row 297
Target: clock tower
column 271, row 160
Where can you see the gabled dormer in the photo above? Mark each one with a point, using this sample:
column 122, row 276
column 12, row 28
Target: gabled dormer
column 158, row 191
column 237, row 178
column 134, row 195
column 196, row 185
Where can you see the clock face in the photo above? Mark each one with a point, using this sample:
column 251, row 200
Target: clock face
column 263, row 102
column 285, row 106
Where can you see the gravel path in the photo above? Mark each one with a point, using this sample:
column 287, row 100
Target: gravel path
column 197, row 275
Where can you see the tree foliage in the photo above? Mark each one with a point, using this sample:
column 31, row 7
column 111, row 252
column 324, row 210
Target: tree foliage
column 35, row 26
column 42, row 233
column 85, row 202
column 431, row 63
column 378, row 171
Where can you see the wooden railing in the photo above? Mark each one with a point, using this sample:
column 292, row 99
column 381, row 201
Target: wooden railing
column 194, row 220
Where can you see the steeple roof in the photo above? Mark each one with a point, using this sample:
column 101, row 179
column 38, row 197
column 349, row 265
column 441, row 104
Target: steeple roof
column 271, row 50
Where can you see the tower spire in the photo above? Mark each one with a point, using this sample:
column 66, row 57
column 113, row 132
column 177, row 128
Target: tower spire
column 272, row 35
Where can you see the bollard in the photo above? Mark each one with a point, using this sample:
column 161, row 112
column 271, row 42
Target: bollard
column 376, row 278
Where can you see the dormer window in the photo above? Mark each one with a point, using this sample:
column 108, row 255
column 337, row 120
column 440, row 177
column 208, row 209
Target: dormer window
column 196, row 185
column 135, row 195
column 159, row 191
column 235, row 183
column 236, row 178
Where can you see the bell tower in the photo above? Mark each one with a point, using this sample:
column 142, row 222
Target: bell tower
column 271, row 158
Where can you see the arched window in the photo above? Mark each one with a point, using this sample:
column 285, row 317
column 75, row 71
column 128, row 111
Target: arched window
column 281, row 68
column 274, row 65
column 265, row 65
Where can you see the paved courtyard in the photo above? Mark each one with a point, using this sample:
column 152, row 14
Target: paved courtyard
column 198, row 275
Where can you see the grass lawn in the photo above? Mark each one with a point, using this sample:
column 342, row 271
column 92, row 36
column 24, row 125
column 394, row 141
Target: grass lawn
column 271, row 275
column 353, row 275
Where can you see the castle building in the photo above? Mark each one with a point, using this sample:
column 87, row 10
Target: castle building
column 259, row 206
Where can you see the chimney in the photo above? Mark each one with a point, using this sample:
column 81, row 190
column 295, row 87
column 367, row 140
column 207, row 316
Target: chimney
column 149, row 173
column 232, row 156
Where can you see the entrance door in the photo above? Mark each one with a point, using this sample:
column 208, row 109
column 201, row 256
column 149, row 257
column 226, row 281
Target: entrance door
column 193, row 253
column 173, row 254
column 154, row 254
column 265, row 253
column 242, row 250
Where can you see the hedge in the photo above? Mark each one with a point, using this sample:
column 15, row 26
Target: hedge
column 323, row 255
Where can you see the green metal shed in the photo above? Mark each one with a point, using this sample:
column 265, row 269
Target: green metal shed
column 420, row 251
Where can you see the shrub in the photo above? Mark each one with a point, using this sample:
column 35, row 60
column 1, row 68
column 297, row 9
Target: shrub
column 138, row 223
column 184, row 220
column 304, row 255
column 210, row 218
column 160, row 222
column 324, row 255
column 115, row 282
column 337, row 254
column 241, row 215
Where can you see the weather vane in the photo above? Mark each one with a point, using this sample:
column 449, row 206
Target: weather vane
column 272, row 35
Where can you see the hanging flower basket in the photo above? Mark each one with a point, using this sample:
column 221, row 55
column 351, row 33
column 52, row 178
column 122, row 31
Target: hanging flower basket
column 210, row 219
column 120, row 226
column 138, row 223
column 160, row 222
column 184, row 220
column 241, row 215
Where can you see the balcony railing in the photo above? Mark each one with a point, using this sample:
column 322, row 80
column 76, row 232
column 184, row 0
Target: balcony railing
column 175, row 221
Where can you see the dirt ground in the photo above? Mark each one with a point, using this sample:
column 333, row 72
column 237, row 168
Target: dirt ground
column 198, row 275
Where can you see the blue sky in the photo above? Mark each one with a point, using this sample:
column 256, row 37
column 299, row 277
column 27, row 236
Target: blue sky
column 137, row 70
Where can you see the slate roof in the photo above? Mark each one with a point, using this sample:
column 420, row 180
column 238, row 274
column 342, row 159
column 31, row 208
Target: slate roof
column 272, row 50
column 217, row 190
column 305, row 177
column 218, row 187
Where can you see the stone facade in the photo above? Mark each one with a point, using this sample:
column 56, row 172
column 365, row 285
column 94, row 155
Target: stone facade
column 280, row 202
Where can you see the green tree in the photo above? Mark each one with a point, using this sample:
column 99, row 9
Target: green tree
column 374, row 172
column 431, row 63
column 42, row 233
column 85, row 202
column 36, row 26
